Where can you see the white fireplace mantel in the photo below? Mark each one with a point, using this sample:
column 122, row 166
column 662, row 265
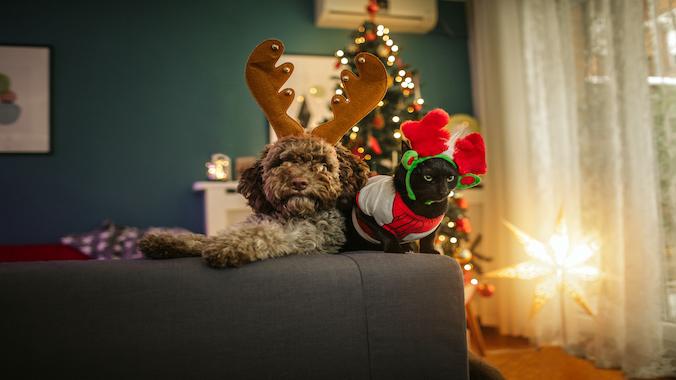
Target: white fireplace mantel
column 223, row 206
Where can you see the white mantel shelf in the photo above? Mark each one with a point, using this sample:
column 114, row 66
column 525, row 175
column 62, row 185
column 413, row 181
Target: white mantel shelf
column 223, row 206
column 209, row 185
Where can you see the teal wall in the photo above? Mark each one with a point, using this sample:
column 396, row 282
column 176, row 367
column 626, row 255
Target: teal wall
column 143, row 93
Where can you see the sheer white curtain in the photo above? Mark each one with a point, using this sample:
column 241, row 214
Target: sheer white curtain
column 561, row 91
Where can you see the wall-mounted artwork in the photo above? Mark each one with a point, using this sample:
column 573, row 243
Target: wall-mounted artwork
column 24, row 99
column 314, row 80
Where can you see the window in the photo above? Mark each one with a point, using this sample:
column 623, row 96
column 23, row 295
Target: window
column 660, row 42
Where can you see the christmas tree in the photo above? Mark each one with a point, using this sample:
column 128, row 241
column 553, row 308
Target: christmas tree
column 377, row 138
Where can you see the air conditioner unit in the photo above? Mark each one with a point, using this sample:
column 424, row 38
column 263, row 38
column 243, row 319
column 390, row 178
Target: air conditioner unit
column 405, row 16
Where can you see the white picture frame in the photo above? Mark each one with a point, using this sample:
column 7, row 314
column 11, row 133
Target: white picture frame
column 314, row 80
column 24, row 99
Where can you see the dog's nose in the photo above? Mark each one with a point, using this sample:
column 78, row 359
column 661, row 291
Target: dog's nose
column 299, row 183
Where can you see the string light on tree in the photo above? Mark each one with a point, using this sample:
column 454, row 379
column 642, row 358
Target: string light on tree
column 381, row 123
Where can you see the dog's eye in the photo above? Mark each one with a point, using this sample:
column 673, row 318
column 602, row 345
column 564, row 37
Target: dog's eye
column 428, row 178
column 450, row 179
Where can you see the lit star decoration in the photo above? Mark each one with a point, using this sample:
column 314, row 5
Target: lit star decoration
column 559, row 264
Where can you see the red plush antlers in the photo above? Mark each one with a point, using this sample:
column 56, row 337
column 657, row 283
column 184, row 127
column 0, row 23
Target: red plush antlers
column 265, row 80
column 428, row 136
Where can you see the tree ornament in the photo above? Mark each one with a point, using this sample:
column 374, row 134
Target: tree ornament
column 463, row 225
column 378, row 121
column 374, row 145
column 370, row 36
column 464, row 256
column 372, row 9
column 486, row 290
column 358, row 151
column 461, row 202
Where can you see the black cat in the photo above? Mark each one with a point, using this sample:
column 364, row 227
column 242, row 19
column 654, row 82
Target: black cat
column 392, row 212
column 431, row 181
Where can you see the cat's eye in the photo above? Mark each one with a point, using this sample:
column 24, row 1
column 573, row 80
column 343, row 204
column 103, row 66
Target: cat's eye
column 450, row 179
column 428, row 178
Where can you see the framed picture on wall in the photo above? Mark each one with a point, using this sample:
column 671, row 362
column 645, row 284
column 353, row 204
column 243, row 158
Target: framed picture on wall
column 24, row 99
column 314, row 79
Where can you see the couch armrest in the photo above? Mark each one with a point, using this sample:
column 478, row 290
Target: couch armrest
column 415, row 315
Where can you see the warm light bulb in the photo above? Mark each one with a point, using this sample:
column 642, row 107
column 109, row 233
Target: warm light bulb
column 340, row 53
column 420, row 101
column 474, row 281
column 379, row 33
column 355, row 129
column 394, row 119
column 380, row 103
column 451, row 224
column 395, row 48
column 367, row 157
column 389, row 43
column 380, row 27
column 360, row 150
column 402, row 73
column 408, row 79
column 339, row 92
column 398, row 79
column 386, row 31
column 353, row 136
column 397, row 135
column 442, row 237
column 390, row 59
column 386, row 37
column 467, row 266
column 454, row 240
column 343, row 61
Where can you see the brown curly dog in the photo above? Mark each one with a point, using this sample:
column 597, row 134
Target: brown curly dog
column 299, row 190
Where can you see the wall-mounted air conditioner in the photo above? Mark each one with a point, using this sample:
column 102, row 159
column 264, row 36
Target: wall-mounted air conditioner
column 405, row 16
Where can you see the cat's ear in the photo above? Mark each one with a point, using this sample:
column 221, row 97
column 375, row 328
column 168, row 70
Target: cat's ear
column 405, row 146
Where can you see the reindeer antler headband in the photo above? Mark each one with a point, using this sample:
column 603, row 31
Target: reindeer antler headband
column 430, row 139
column 265, row 80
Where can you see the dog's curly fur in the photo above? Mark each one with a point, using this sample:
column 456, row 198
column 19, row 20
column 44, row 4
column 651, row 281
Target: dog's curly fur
column 297, row 190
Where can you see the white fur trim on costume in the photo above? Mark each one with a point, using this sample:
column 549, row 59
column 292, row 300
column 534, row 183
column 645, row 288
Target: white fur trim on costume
column 377, row 197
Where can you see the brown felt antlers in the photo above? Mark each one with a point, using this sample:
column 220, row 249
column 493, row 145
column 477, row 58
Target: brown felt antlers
column 265, row 80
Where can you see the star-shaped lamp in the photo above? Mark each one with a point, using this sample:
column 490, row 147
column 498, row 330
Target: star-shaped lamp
column 559, row 265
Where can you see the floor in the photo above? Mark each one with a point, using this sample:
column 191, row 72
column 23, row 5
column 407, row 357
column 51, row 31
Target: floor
column 519, row 360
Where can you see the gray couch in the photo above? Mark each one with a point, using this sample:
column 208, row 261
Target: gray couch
column 350, row 316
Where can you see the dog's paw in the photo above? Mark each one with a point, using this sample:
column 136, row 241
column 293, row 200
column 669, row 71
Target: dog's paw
column 169, row 246
column 223, row 256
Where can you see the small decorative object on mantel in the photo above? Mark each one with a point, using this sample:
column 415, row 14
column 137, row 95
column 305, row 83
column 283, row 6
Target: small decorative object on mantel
column 219, row 168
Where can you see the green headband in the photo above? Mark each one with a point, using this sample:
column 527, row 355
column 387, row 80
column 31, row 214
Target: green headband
column 412, row 154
